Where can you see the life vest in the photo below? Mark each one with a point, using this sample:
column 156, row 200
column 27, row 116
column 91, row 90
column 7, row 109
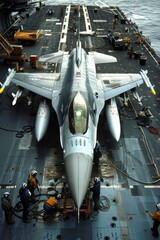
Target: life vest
column 156, row 216
column 32, row 182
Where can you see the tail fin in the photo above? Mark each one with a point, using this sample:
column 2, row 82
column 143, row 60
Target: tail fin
column 78, row 28
column 78, row 53
column 78, row 216
column 78, row 44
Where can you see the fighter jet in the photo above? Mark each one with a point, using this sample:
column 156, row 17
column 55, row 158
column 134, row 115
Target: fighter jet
column 78, row 94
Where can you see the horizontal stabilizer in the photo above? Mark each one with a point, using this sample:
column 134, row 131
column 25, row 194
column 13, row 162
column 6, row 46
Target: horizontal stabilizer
column 103, row 58
column 87, row 33
column 52, row 57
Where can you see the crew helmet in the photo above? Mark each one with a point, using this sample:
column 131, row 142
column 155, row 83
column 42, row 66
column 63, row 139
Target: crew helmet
column 58, row 196
column 158, row 206
column 96, row 179
column 34, row 172
column 24, row 185
column 6, row 194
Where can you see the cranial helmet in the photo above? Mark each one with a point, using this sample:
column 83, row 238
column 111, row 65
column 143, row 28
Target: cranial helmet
column 58, row 196
column 158, row 206
column 34, row 172
column 96, row 179
column 6, row 194
column 24, row 185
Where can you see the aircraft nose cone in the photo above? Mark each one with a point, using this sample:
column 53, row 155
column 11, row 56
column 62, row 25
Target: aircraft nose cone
column 78, row 169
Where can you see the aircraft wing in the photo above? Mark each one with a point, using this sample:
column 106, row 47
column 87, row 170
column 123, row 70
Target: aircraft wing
column 115, row 84
column 52, row 57
column 41, row 83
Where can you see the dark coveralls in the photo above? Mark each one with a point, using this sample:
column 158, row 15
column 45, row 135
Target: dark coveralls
column 8, row 210
column 25, row 194
column 96, row 194
column 156, row 217
column 97, row 154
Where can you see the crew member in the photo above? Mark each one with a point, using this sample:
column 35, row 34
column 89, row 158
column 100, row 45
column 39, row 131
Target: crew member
column 25, row 194
column 130, row 52
column 114, row 23
column 96, row 193
column 156, row 217
column 97, row 154
column 7, row 208
column 32, row 183
column 76, row 9
column 51, row 204
column 62, row 11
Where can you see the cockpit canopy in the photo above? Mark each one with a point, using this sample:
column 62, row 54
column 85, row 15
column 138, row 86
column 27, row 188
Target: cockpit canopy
column 78, row 115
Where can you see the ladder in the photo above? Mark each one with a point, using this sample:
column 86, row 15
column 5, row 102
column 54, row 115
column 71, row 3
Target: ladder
column 5, row 45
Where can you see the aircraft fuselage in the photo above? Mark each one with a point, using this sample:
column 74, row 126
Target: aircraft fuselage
column 79, row 106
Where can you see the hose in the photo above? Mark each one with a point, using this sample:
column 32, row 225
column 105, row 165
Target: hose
column 104, row 204
column 19, row 133
column 149, row 155
column 34, row 211
column 128, row 176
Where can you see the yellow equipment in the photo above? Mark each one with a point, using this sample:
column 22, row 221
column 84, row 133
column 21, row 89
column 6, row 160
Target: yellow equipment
column 27, row 36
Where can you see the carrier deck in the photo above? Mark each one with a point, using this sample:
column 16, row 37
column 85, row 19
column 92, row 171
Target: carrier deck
column 129, row 169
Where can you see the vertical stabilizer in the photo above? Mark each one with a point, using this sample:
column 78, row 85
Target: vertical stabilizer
column 78, row 53
column 78, row 216
column 78, row 45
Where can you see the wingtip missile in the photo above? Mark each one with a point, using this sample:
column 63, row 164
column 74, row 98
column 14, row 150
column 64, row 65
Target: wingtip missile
column 153, row 91
column 1, row 90
column 8, row 79
column 147, row 81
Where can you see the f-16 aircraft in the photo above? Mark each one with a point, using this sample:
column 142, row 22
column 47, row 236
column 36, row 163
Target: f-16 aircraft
column 78, row 94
